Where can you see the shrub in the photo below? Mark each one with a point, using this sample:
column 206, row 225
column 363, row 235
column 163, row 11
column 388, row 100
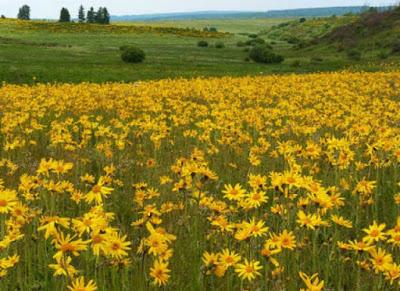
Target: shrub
column 213, row 29
column 219, row 45
column 253, row 35
column 354, row 55
column 316, row 60
column 255, row 41
column 240, row 44
column 302, row 20
column 293, row 40
column 262, row 54
column 202, row 43
column 133, row 55
column 296, row 63
column 383, row 55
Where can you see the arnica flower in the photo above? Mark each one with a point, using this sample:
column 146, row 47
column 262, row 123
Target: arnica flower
column 159, row 272
column 79, row 285
column 312, row 282
column 248, row 270
column 374, row 233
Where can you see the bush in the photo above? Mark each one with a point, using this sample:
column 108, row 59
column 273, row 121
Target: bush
column 253, row 35
column 202, row 43
column 383, row 55
column 240, row 44
column 262, row 54
column 354, row 55
column 296, row 64
column 132, row 55
column 302, row 20
column 219, row 45
column 255, row 41
column 293, row 40
column 316, row 60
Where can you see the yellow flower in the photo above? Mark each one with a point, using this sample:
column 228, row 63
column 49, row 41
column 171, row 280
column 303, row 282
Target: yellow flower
column 312, row 283
column 250, row 229
column 228, row 258
column 49, row 225
column 79, row 285
column 8, row 199
column 159, row 272
column 341, row 221
column 309, row 220
column 66, row 245
column 234, row 193
column 98, row 192
column 248, row 270
column 374, row 233
column 381, row 261
column 116, row 246
column 63, row 267
column 287, row 240
column 209, row 259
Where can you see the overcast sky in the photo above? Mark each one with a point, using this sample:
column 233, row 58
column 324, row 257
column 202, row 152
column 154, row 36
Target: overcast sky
column 50, row 8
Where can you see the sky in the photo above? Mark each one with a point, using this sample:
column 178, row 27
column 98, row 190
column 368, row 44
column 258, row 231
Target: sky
column 51, row 8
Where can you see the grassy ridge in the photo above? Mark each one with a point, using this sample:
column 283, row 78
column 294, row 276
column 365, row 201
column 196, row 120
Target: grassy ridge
column 50, row 52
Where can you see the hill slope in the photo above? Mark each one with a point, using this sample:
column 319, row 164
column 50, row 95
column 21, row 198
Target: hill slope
column 303, row 12
column 371, row 30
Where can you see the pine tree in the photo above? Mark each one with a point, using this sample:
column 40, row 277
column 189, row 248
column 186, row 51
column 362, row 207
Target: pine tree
column 90, row 16
column 24, row 13
column 81, row 14
column 99, row 16
column 64, row 15
column 106, row 16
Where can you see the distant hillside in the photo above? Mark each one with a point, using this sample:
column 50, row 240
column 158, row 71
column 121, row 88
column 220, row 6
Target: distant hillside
column 384, row 25
column 302, row 31
column 372, row 30
column 306, row 12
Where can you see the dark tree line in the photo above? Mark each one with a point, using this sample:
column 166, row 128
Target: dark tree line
column 101, row 16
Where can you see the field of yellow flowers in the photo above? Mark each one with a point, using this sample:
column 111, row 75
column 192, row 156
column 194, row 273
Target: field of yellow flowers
column 254, row 183
column 22, row 26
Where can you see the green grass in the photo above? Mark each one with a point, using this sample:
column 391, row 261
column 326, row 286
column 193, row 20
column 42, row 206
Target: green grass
column 242, row 25
column 34, row 55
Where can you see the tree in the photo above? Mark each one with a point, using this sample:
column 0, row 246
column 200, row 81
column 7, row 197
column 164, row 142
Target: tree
column 24, row 13
column 102, row 16
column 64, row 15
column 91, row 15
column 99, row 16
column 3, row 16
column 81, row 14
column 106, row 16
